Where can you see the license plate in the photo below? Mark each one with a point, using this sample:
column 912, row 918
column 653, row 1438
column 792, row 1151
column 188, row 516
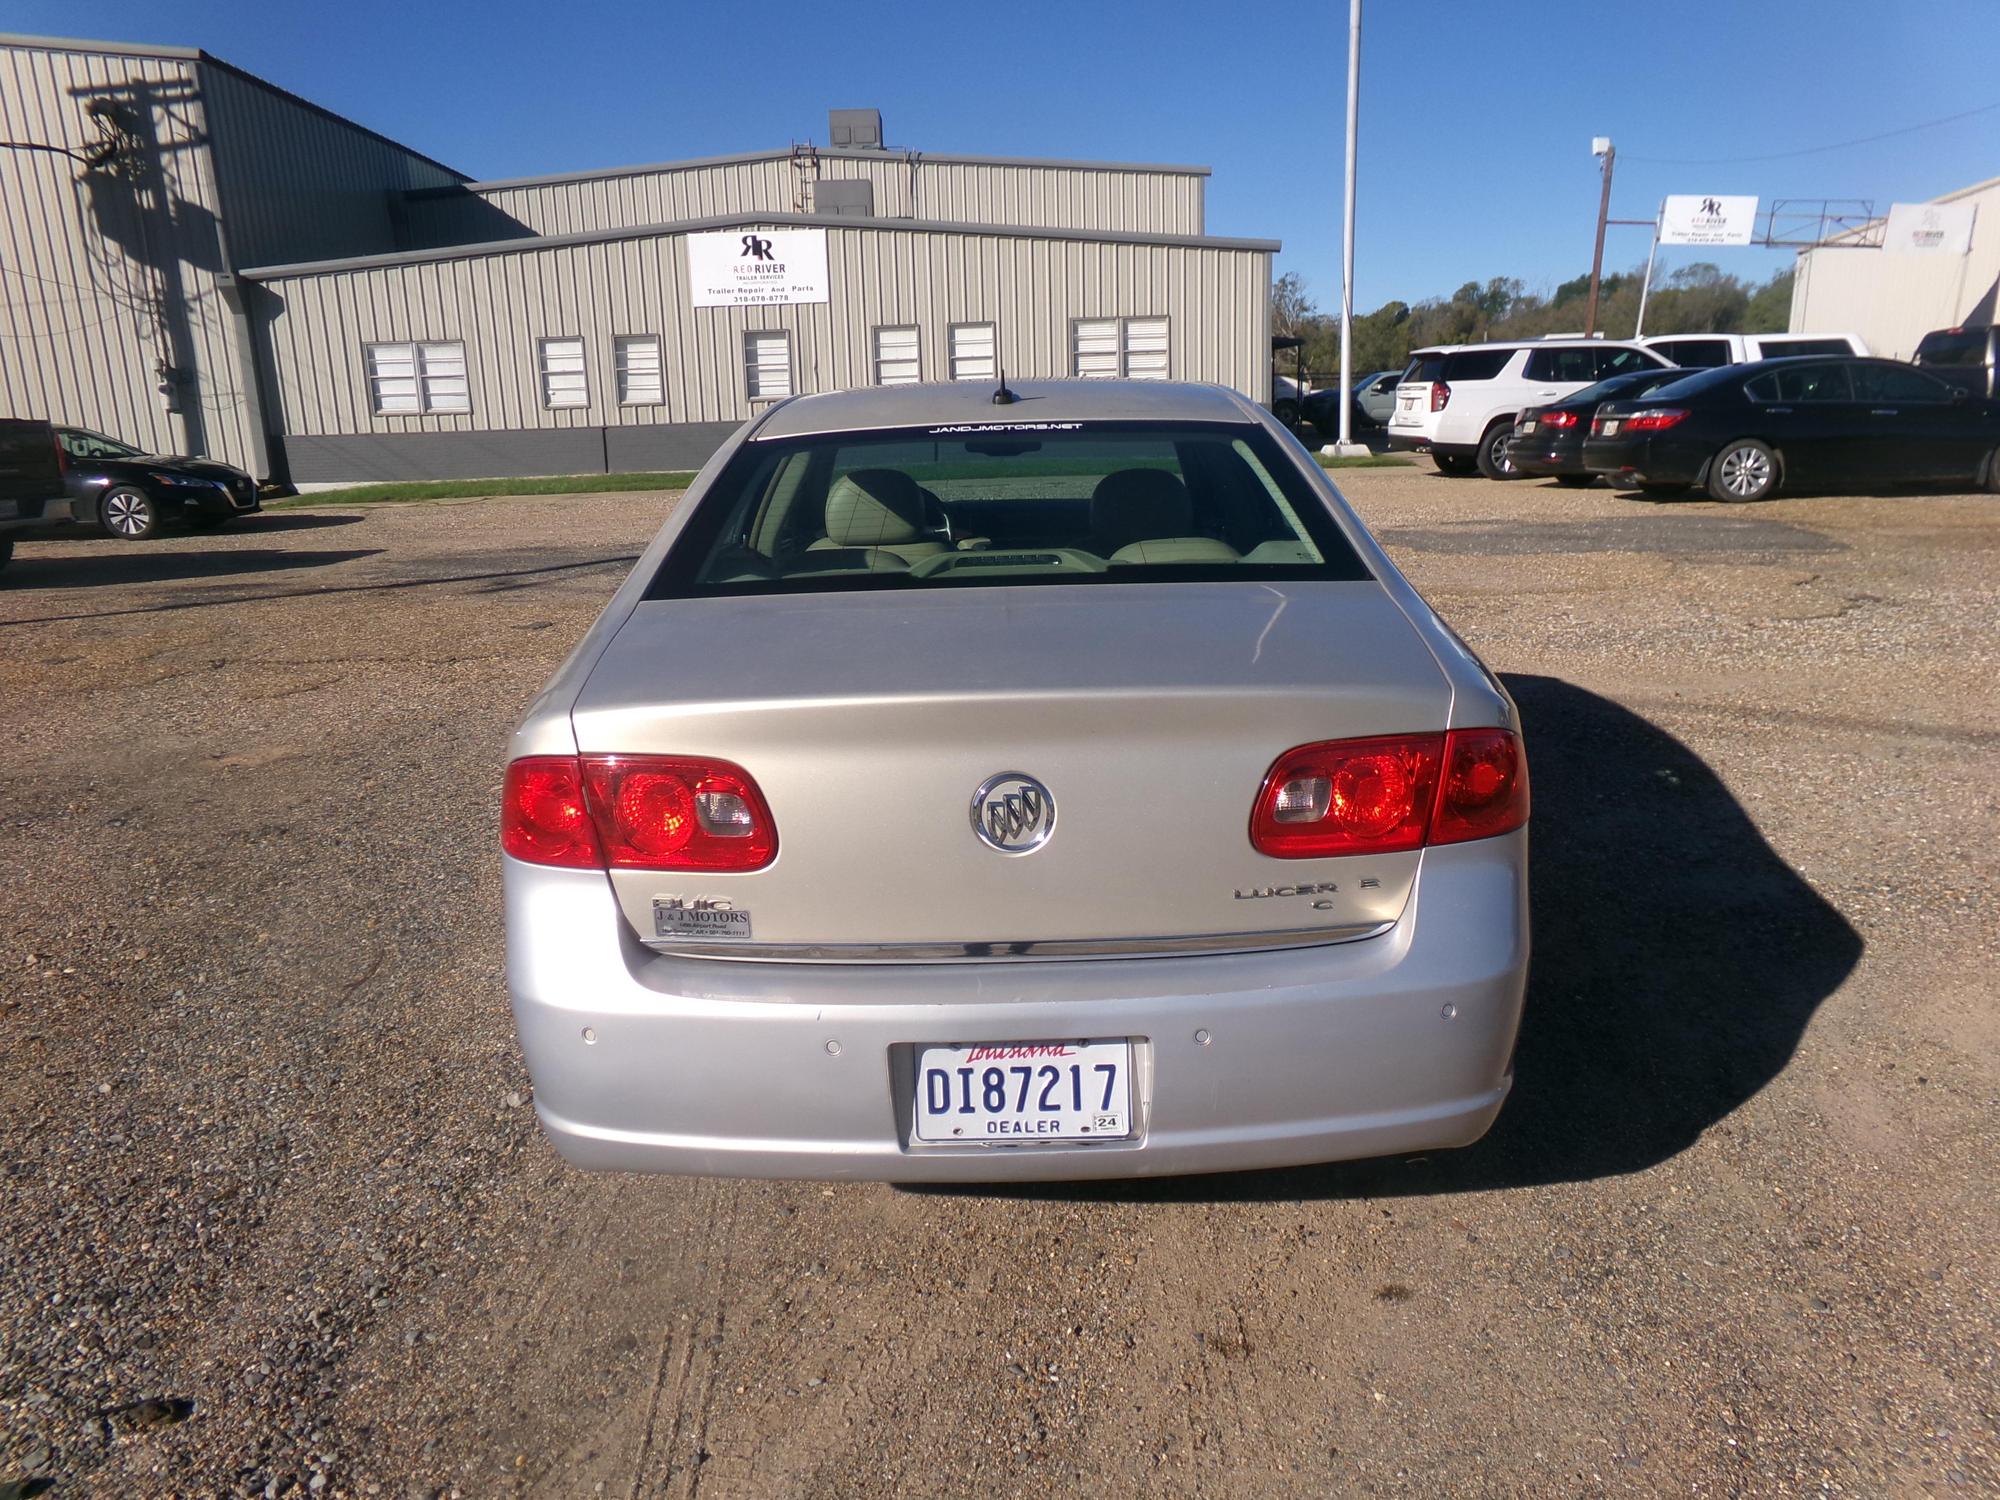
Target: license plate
column 1015, row 1093
column 1608, row 427
column 1525, row 426
column 1408, row 403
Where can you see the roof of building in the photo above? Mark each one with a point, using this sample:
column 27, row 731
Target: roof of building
column 195, row 54
column 751, row 220
column 970, row 403
column 844, row 153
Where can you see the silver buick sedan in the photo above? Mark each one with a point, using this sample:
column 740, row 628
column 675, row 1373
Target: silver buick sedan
column 1050, row 783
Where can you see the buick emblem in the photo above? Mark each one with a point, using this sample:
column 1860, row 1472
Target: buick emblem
column 1013, row 813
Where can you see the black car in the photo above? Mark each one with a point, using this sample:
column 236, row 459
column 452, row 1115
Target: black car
column 1548, row 440
column 1744, row 431
column 31, row 479
column 130, row 494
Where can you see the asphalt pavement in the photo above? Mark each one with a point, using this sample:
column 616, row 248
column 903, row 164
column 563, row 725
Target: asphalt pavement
column 280, row 1221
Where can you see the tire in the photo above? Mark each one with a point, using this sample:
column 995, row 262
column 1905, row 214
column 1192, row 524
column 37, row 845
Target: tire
column 1287, row 412
column 1742, row 472
column 1492, row 459
column 1576, row 481
column 1993, row 471
column 128, row 514
column 6, row 551
column 1454, row 464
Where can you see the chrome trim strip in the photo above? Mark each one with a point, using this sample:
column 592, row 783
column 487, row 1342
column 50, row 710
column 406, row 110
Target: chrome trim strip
column 1060, row 948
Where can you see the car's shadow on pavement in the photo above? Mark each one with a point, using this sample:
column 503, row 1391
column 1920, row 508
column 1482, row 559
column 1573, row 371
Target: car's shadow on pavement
column 135, row 563
column 1677, row 961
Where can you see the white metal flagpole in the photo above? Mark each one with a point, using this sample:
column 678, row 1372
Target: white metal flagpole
column 1347, row 445
column 1646, row 286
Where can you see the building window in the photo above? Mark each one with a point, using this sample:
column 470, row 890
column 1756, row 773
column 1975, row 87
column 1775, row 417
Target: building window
column 404, row 379
column 767, row 364
column 896, row 356
column 564, row 381
column 1107, row 348
column 972, row 351
column 638, row 360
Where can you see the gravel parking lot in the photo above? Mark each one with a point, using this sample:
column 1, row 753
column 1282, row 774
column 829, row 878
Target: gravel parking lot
column 280, row 1221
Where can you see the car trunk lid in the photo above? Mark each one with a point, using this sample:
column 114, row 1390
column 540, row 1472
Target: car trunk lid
column 1149, row 712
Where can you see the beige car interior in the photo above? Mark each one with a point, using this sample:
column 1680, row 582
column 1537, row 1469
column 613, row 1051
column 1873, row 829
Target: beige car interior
column 879, row 509
column 1147, row 516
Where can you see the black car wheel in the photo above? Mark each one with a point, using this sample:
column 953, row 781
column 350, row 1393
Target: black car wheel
column 1493, row 460
column 1576, row 481
column 128, row 514
column 1746, row 470
column 1286, row 412
column 1454, row 464
column 1993, row 471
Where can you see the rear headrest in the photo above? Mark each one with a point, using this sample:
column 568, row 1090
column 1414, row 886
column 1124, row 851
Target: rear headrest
column 1139, row 505
column 873, row 508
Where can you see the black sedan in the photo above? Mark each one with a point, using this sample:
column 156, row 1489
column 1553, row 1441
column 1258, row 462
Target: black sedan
column 1548, row 440
column 1745, row 431
column 130, row 494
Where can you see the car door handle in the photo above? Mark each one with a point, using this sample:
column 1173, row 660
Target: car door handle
column 1884, row 411
column 1778, row 411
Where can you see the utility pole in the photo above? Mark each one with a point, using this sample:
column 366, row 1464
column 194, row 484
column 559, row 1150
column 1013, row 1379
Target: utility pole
column 1605, row 152
column 1347, row 447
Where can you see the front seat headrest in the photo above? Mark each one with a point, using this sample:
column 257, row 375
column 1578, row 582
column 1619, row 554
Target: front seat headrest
column 873, row 508
column 1139, row 505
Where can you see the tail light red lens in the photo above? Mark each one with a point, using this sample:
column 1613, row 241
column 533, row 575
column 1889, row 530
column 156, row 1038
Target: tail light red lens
column 1557, row 419
column 1657, row 420
column 1440, row 393
column 1386, row 795
column 543, row 819
column 636, row 812
column 1485, row 787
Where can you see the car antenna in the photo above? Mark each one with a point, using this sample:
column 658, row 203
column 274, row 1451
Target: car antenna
column 1003, row 396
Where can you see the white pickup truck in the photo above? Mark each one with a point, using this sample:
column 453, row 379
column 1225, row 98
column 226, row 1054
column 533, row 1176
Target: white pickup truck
column 1701, row 351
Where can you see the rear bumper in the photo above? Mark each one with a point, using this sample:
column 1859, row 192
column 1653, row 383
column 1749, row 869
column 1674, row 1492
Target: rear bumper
column 1535, row 454
column 1398, row 1043
column 1641, row 460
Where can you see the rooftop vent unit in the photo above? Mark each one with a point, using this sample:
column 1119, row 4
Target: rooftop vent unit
column 856, row 129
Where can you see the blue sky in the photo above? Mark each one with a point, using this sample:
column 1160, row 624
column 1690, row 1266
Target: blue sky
column 1475, row 127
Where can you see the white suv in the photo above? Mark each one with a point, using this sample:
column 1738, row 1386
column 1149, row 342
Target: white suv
column 1460, row 400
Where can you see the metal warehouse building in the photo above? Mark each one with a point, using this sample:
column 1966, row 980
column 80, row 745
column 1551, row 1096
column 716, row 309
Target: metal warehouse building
column 194, row 260
column 1892, row 291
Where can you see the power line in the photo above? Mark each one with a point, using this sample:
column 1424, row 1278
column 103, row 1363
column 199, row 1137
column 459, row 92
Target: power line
column 1864, row 140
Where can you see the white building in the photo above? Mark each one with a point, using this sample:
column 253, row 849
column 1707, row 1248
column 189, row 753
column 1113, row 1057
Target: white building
column 1892, row 298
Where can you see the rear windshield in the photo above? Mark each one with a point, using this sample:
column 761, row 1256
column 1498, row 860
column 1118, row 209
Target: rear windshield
column 1007, row 503
column 1625, row 387
column 1423, row 369
column 1966, row 347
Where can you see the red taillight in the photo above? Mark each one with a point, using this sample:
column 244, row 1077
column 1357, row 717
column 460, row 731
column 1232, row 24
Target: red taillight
column 1485, row 787
column 636, row 812
column 1440, row 393
column 1382, row 796
column 543, row 818
column 1656, row 420
column 1556, row 418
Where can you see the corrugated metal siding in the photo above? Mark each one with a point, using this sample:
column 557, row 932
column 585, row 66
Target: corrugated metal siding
column 500, row 303
column 83, row 317
column 1893, row 298
column 299, row 184
column 905, row 188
